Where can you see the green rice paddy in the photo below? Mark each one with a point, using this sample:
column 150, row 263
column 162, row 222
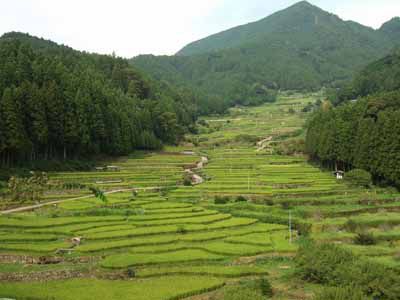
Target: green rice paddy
column 172, row 241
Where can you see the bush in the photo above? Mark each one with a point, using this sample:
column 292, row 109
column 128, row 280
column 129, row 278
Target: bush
column 285, row 205
column 365, row 238
column 266, row 288
column 221, row 200
column 351, row 226
column 187, row 180
column 328, row 264
column 359, row 177
column 131, row 273
column 241, row 199
column 181, row 229
column 341, row 293
column 246, row 139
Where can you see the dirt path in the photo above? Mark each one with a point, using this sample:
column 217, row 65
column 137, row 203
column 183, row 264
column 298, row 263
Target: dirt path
column 197, row 179
column 32, row 207
column 261, row 145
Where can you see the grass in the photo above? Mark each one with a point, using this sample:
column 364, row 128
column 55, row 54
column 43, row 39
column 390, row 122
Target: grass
column 128, row 260
column 210, row 270
column 178, row 240
column 171, row 287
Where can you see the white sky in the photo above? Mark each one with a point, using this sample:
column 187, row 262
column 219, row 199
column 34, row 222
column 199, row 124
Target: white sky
column 132, row 27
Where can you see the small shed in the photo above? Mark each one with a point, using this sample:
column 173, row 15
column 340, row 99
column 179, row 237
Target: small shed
column 339, row 174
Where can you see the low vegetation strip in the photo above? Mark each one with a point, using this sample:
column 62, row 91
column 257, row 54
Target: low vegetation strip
column 167, row 288
column 210, row 270
column 127, row 260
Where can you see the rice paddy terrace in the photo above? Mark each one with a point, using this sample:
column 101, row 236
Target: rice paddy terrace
column 168, row 240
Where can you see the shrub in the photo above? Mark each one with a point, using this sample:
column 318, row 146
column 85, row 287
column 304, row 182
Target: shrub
column 266, row 288
column 246, row 139
column 285, row 205
column 359, row 177
column 328, row 264
column 187, row 180
column 241, row 199
column 131, row 273
column 340, row 293
column 221, row 199
column 365, row 238
column 351, row 226
column 181, row 229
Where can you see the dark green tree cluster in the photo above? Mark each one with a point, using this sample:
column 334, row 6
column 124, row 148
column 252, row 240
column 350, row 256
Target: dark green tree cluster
column 380, row 76
column 218, row 80
column 58, row 103
column 363, row 133
column 355, row 278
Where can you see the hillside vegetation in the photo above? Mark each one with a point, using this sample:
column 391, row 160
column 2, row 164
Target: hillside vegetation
column 301, row 47
column 56, row 102
column 365, row 133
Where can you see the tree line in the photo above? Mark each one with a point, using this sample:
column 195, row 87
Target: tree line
column 363, row 133
column 58, row 103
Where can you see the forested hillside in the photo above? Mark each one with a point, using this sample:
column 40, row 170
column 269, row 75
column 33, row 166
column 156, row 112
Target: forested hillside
column 301, row 48
column 380, row 76
column 56, row 102
column 364, row 133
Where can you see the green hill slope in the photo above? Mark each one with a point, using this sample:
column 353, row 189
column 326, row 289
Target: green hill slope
column 364, row 133
column 56, row 103
column 301, row 47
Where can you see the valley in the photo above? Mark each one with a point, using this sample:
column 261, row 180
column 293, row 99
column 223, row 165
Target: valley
column 162, row 238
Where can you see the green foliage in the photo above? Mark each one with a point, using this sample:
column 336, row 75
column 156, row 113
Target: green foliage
column 290, row 147
column 187, row 179
column 333, row 266
column 246, row 138
column 380, row 76
column 131, row 272
column 57, row 103
column 299, row 48
column 181, row 229
column 28, row 189
column 358, row 177
column 221, row 199
column 341, row 293
column 99, row 194
column 241, row 198
column 266, row 288
column 365, row 238
column 363, row 134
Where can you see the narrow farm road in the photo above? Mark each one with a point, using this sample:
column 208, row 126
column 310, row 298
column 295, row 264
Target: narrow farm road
column 31, row 207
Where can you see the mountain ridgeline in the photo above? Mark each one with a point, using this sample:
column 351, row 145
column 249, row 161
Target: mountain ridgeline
column 300, row 48
column 363, row 133
column 58, row 103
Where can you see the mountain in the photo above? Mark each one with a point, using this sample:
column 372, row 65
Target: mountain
column 59, row 103
column 301, row 47
column 392, row 28
column 294, row 27
column 382, row 75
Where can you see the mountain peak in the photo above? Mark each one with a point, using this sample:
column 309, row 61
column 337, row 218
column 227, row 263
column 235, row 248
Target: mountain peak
column 392, row 28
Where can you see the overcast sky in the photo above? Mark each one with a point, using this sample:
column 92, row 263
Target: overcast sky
column 132, row 27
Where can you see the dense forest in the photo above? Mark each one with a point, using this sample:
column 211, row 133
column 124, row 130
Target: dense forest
column 363, row 133
column 219, row 86
column 299, row 48
column 58, row 103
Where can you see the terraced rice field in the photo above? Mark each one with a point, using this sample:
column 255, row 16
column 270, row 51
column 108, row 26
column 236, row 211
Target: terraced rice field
column 172, row 241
